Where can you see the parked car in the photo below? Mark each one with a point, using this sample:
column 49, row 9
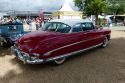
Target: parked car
column 58, row 40
column 9, row 33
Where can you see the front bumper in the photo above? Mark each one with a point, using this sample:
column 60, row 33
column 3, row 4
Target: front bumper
column 24, row 56
column 27, row 59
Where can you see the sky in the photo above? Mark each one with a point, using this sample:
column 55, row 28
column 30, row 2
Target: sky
column 24, row 5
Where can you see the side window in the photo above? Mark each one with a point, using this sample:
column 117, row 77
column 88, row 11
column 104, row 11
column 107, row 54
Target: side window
column 77, row 28
column 83, row 26
column 52, row 27
column 87, row 26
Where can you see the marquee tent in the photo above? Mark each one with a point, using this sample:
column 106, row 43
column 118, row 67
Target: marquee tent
column 66, row 12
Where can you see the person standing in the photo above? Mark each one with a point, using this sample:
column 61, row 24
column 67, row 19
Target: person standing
column 110, row 23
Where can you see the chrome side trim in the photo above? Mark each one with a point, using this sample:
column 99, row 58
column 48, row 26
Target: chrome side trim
column 72, row 53
column 48, row 53
column 53, row 58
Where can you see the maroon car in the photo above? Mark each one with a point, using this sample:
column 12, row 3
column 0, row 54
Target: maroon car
column 58, row 40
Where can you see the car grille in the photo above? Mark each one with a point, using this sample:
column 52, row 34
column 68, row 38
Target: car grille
column 20, row 54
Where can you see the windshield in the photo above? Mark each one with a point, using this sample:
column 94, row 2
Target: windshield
column 56, row 27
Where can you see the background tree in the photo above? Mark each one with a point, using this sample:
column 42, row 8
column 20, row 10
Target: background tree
column 82, row 5
column 91, row 7
column 115, row 7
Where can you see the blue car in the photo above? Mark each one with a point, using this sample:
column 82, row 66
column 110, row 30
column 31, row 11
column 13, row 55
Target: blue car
column 10, row 33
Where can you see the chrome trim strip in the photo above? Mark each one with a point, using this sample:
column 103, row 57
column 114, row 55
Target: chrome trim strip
column 72, row 53
column 48, row 53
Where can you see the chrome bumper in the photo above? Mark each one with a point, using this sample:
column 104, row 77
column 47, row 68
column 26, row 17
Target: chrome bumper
column 24, row 57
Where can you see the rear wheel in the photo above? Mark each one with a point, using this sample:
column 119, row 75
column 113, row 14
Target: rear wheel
column 105, row 42
column 60, row 60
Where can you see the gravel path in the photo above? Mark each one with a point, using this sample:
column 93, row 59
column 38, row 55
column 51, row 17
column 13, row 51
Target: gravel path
column 100, row 65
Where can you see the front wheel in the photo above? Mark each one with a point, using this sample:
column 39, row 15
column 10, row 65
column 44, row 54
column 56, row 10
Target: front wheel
column 60, row 60
column 105, row 42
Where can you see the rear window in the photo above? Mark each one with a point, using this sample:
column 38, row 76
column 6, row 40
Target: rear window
column 56, row 27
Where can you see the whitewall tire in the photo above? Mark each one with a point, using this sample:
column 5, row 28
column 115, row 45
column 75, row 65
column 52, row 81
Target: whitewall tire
column 105, row 42
column 60, row 60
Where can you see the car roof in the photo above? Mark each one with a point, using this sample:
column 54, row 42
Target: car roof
column 71, row 22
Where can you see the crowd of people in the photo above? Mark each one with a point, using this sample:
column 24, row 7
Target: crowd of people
column 28, row 23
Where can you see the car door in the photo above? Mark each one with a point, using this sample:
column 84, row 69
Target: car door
column 76, row 38
column 92, row 37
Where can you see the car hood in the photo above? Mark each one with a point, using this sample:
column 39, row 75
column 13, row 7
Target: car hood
column 32, row 40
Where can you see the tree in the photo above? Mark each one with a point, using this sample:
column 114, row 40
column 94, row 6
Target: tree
column 81, row 4
column 91, row 7
column 115, row 7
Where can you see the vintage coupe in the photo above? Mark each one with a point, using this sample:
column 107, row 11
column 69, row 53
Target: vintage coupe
column 58, row 40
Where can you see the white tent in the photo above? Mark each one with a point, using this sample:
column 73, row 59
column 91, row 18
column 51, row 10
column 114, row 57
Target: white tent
column 66, row 7
column 66, row 12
